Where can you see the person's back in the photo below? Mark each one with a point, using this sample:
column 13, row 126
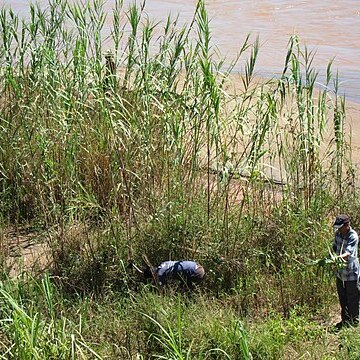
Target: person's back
column 174, row 269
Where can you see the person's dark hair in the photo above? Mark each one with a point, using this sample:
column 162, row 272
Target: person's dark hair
column 147, row 272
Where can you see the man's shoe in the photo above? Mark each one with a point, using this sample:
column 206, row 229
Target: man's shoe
column 338, row 326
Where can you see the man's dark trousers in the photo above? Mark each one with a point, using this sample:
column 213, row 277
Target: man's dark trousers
column 349, row 296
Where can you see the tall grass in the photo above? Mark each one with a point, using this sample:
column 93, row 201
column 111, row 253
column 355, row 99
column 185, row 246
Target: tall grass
column 166, row 156
column 30, row 327
column 58, row 93
column 146, row 325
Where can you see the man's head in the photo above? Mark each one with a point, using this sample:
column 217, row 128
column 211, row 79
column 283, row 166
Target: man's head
column 342, row 223
column 148, row 272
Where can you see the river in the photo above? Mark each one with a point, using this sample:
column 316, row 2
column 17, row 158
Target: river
column 331, row 28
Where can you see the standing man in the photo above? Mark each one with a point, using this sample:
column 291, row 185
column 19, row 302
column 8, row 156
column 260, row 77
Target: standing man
column 347, row 279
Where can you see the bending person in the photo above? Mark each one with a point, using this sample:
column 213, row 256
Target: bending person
column 187, row 272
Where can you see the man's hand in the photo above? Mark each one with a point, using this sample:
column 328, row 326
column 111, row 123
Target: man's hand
column 345, row 256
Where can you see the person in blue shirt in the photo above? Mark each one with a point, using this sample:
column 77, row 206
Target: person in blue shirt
column 188, row 272
column 345, row 247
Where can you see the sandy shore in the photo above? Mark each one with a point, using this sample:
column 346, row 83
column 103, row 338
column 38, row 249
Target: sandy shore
column 353, row 131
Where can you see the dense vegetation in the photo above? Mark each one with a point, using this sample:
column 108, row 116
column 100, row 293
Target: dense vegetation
column 166, row 157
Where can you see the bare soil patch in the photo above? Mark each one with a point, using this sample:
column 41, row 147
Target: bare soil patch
column 25, row 251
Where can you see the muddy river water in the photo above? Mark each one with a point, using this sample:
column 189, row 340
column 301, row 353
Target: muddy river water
column 331, row 28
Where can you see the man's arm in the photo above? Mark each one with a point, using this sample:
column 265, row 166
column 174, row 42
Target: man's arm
column 350, row 248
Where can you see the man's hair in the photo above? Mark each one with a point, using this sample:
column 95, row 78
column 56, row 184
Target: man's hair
column 148, row 272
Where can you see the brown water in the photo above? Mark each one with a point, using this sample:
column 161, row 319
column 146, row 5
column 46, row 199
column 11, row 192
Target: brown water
column 332, row 28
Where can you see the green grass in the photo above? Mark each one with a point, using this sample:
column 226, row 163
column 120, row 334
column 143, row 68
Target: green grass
column 147, row 324
column 166, row 157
